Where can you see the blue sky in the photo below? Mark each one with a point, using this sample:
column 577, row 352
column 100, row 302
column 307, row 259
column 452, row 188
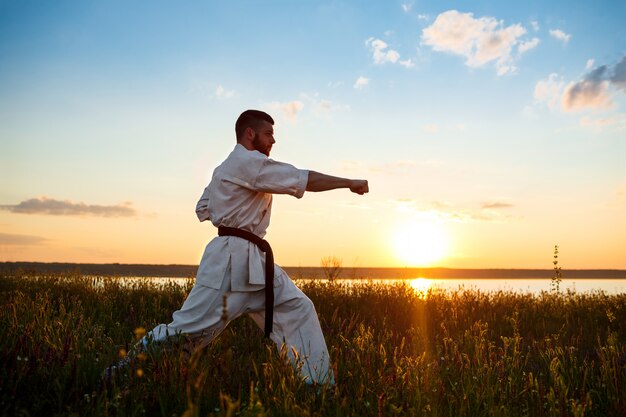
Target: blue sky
column 500, row 125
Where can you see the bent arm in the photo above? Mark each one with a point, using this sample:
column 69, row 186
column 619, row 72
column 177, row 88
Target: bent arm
column 323, row 182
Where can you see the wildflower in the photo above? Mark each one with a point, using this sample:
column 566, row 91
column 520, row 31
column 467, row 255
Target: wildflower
column 139, row 332
column 122, row 353
column 139, row 373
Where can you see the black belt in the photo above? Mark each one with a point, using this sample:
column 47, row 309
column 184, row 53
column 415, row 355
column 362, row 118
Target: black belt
column 265, row 247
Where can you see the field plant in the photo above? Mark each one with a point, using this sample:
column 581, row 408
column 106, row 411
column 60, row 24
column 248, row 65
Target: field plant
column 331, row 266
column 558, row 275
column 394, row 352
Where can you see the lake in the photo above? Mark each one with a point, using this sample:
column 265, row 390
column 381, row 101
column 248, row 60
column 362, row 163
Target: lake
column 420, row 284
column 610, row 281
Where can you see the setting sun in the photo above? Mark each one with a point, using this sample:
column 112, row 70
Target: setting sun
column 420, row 243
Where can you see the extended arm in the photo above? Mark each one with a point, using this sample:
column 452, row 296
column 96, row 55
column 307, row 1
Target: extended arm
column 323, row 182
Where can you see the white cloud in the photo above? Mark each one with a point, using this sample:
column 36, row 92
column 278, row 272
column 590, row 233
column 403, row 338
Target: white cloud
column 380, row 51
column 586, row 94
column 528, row 45
column 361, row 82
column 549, row 90
column 560, row 35
column 406, row 7
column 590, row 92
column 222, row 93
column 594, row 91
column 290, row 109
column 480, row 40
column 423, row 17
column 382, row 54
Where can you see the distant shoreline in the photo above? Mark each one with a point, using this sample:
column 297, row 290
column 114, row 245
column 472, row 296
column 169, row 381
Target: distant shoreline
column 151, row 270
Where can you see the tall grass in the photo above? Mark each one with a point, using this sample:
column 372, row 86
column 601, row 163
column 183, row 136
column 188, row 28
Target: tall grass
column 393, row 353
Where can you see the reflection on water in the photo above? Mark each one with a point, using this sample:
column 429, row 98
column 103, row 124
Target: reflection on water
column 535, row 286
column 420, row 285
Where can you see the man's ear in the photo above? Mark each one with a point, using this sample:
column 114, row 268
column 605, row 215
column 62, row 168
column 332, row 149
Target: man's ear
column 250, row 133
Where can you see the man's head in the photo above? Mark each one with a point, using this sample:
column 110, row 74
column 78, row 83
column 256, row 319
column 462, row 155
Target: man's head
column 255, row 131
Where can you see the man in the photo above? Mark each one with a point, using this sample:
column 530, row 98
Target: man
column 237, row 272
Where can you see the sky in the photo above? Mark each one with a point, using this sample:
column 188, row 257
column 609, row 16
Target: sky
column 489, row 131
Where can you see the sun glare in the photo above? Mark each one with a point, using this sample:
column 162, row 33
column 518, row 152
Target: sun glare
column 420, row 243
column 421, row 285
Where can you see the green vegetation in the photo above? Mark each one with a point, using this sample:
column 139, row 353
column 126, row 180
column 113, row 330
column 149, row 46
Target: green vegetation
column 394, row 353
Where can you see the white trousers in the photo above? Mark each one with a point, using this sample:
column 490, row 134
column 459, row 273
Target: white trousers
column 202, row 317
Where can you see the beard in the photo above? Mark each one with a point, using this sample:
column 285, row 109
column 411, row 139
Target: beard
column 256, row 143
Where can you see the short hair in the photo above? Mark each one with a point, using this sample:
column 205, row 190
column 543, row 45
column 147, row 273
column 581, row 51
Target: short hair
column 253, row 119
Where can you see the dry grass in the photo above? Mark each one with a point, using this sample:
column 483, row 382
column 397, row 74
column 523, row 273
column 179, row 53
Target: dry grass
column 394, row 353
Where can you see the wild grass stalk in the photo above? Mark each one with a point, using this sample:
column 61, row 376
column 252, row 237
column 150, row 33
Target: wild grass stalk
column 393, row 352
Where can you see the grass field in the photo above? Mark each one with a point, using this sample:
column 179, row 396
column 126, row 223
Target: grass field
column 393, row 352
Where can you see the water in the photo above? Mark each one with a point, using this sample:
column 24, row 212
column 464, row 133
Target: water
column 533, row 286
column 521, row 285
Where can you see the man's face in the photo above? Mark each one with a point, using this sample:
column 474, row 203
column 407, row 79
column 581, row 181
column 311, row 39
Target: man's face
column 264, row 139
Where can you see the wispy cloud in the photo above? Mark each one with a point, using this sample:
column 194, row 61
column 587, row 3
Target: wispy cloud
column 549, row 91
column 50, row 206
column 406, row 7
column 535, row 25
column 407, row 63
column 21, row 240
column 290, row 110
column 449, row 212
column 431, row 128
column 399, row 167
column 307, row 104
column 321, row 106
column 222, row 93
column 560, row 35
column 493, row 205
column 480, row 40
column 361, row 82
column 528, row 45
column 600, row 123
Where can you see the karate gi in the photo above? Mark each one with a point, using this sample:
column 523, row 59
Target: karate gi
column 240, row 195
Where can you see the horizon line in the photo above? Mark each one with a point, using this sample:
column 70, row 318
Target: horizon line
column 319, row 266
